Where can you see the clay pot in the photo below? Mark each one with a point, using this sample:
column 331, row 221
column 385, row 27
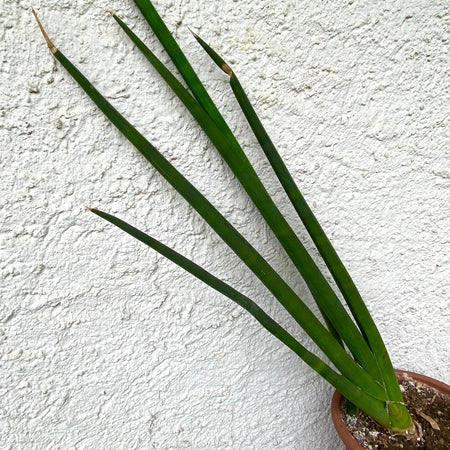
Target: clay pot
column 336, row 414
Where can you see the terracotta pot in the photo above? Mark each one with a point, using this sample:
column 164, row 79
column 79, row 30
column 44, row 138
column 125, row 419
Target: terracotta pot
column 347, row 438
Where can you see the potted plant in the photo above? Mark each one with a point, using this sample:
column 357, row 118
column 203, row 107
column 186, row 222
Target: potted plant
column 356, row 362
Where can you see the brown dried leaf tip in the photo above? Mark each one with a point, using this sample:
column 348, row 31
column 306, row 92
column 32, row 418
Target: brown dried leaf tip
column 227, row 69
column 50, row 44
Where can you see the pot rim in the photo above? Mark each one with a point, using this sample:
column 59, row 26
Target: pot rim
column 347, row 438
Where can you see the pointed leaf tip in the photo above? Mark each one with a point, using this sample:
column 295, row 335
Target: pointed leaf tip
column 50, row 44
column 111, row 13
column 193, row 33
column 214, row 56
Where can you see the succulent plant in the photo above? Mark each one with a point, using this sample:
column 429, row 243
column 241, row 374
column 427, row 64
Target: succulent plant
column 359, row 365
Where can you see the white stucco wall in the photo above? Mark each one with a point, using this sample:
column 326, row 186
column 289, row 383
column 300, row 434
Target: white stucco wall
column 103, row 343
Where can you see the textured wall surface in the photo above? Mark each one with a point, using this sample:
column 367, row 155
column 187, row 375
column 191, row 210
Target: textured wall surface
column 105, row 344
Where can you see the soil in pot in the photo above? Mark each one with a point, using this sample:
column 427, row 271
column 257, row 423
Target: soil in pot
column 430, row 410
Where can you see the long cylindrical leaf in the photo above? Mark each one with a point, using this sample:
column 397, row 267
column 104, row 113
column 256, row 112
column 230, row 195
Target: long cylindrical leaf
column 327, row 300
column 348, row 389
column 194, row 107
column 181, row 62
column 287, row 297
column 336, row 267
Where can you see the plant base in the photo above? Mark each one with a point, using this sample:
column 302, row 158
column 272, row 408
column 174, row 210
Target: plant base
column 429, row 403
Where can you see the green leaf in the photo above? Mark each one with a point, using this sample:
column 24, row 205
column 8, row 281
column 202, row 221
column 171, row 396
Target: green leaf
column 229, row 148
column 323, row 244
column 335, row 379
column 355, row 383
column 233, row 238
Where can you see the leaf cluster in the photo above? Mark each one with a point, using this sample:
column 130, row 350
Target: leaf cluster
column 359, row 365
